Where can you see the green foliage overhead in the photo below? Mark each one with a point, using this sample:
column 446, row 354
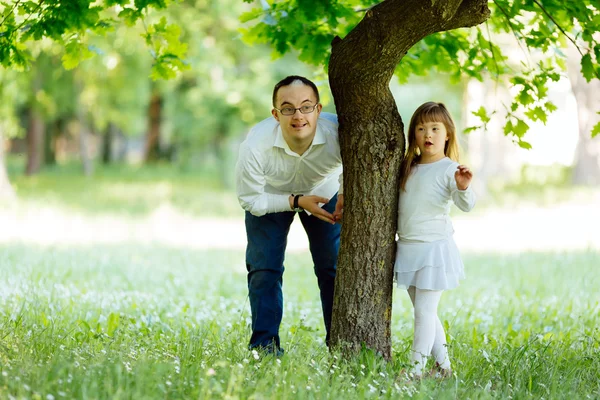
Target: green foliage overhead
column 72, row 24
column 541, row 28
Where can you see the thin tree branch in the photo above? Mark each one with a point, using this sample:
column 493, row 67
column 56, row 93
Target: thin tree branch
column 559, row 27
column 11, row 11
column 28, row 17
column 510, row 25
column 487, row 26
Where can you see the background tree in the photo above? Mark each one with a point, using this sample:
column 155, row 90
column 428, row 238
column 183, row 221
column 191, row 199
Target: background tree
column 587, row 155
column 361, row 65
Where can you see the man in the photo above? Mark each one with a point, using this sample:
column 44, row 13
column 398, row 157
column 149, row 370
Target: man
column 289, row 164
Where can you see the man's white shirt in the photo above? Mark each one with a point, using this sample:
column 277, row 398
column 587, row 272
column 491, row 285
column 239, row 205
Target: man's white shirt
column 267, row 171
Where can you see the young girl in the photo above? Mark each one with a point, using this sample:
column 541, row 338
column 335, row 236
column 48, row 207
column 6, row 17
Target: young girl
column 427, row 259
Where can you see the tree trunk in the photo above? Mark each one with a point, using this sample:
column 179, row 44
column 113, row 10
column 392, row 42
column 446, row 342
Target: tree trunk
column 152, row 150
column 372, row 145
column 84, row 135
column 219, row 142
column 55, row 129
column 35, row 141
column 107, row 144
column 587, row 153
column 6, row 190
column 36, row 129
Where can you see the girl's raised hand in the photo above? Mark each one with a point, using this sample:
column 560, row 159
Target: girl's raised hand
column 463, row 176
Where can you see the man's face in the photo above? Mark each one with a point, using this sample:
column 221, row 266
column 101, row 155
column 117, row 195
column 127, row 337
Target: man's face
column 297, row 127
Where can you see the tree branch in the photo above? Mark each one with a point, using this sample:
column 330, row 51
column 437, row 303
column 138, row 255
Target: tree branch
column 469, row 13
column 10, row 12
column 28, row 17
column 510, row 25
column 389, row 29
column 559, row 27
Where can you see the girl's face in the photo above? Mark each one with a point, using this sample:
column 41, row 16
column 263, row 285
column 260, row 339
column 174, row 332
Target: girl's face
column 431, row 138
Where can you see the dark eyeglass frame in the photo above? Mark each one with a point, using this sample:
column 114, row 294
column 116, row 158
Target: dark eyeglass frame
column 307, row 110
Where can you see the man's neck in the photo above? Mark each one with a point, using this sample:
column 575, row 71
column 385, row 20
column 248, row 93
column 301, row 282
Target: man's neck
column 299, row 147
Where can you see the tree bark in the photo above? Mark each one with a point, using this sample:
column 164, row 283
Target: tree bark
column 152, row 150
column 587, row 152
column 372, row 144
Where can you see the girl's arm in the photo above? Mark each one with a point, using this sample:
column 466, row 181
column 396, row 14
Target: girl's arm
column 460, row 189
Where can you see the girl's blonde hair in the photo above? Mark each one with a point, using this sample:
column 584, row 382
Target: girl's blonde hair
column 428, row 112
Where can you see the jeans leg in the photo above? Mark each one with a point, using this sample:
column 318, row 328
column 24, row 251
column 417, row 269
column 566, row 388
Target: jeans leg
column 324, row 242
column 267, row 239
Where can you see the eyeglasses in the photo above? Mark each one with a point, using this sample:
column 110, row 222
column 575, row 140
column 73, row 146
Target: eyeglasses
column 291, row 110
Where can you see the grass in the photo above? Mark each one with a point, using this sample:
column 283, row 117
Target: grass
column 122, row 189
column 131, row 321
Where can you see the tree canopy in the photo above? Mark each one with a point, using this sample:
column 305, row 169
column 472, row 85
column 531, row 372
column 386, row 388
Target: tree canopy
column 74, row 23
column 540, row 28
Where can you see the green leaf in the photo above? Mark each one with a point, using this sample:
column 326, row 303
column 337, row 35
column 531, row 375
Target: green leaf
column 521, row 128
column 75, row 52
column 550, row 106
column 471, row 129
column 250, row 15
column 130, row 16
column 524, row 145
column 587, row 67
column 537, row 114
column 113, row 323
column 524, row 97
column 596, row 130
column 482, row 114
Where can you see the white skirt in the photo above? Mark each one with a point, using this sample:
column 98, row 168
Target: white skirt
column 430, row 266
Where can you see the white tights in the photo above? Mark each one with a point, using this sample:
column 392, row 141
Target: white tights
column 429, row 336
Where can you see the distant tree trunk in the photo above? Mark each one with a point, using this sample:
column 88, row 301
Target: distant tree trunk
column 152, row 150
column 107, row 144
column 6, row 189
column 84, row 135
column 36, row 129
column 219, row 141
column 35, row 141
column 372, row 144
column 587, row 95
column 50, row 143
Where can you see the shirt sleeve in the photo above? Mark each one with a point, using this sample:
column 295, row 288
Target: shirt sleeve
column 250, row 186
column 463, row 199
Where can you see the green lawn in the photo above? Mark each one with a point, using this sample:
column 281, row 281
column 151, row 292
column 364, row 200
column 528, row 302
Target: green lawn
column 136, row 322
column 123, row 189
column 132, row 321
column 130, row 190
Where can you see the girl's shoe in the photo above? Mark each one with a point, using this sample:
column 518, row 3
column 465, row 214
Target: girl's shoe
column 440, row 373
column 405, row 376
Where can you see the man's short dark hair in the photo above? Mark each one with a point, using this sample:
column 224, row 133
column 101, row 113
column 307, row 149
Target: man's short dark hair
column 288, row 81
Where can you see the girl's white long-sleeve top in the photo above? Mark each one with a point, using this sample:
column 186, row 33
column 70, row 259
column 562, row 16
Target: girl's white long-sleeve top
column 424, row 208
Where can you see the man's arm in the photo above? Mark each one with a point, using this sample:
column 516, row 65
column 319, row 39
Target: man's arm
column 250, row 186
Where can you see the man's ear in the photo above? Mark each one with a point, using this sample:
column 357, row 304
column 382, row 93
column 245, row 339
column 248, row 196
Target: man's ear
column 274, row 112
column 319, row 108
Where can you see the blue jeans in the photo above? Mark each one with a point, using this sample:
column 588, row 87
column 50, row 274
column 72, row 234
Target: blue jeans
column 267, row 240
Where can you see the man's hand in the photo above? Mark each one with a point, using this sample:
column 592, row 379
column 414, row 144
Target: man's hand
column 463, row 176
column 311, row 204
column 339, row 209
